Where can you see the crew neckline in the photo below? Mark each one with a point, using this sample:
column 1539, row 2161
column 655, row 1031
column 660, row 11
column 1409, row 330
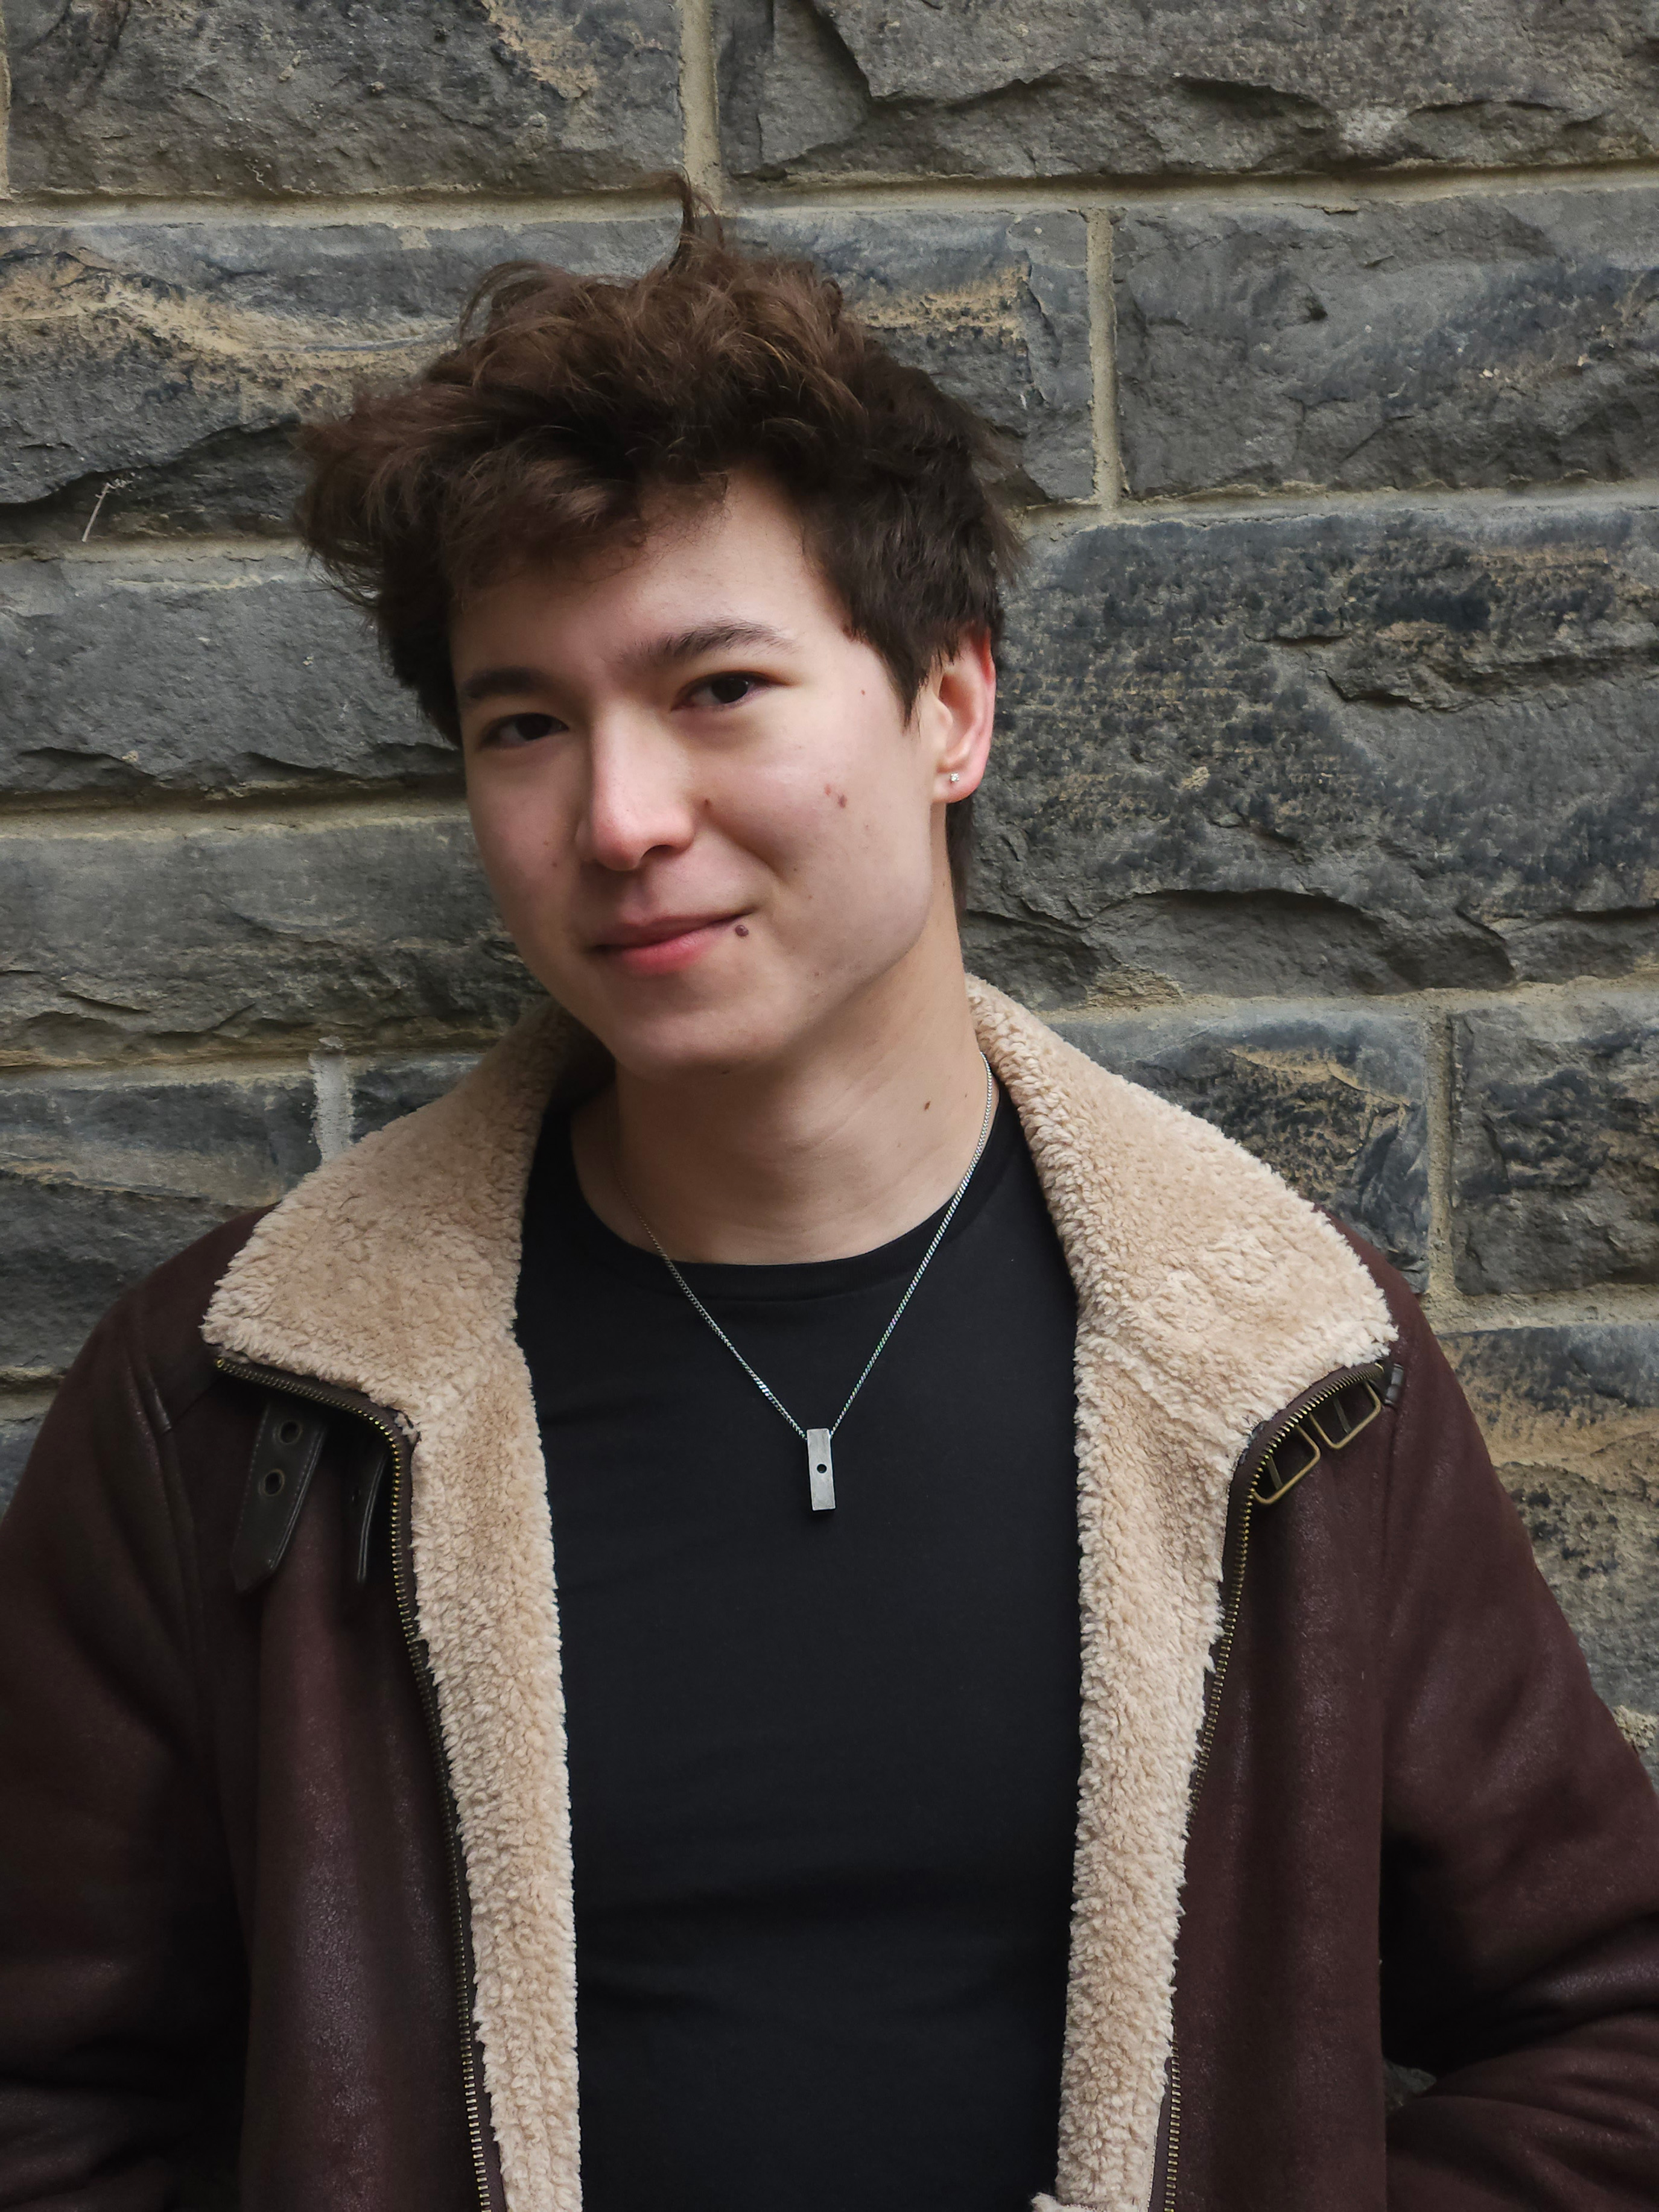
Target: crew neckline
column 734, row 1282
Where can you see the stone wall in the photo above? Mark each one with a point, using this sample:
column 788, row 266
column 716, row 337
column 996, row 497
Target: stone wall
column 1327, row 340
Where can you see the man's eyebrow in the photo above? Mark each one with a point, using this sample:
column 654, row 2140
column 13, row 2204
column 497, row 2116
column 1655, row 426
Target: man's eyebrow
column 708, row 637
column 661, row 653
column 497, row 682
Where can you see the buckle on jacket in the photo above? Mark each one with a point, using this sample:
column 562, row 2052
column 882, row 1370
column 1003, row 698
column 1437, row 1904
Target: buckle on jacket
column 1287, row 1483
column 1337, row 1412
column 1331, row 1428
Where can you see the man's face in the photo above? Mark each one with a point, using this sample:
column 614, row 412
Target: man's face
column 708, row 822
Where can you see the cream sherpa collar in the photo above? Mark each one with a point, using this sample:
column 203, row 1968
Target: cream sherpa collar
column 1209, row 1295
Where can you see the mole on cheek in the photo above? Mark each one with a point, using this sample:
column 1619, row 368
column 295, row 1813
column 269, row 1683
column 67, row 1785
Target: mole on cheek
column 740, row 929
column 842, row 801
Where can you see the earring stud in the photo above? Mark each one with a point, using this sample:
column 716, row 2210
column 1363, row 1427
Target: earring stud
column 955, row 778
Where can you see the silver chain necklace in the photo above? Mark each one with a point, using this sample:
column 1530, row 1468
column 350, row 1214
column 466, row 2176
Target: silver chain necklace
column 820, row 1462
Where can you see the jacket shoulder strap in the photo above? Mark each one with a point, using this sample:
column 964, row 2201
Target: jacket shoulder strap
column 285, row 1454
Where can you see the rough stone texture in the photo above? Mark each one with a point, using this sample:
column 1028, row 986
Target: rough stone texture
column 1556, row 1165
column 176, row 358
column 1033, row 87
column 100, row 1181
column 995, row 306
column 1572, row 1418
column 198, row 674
column 171, row 361
column 385, row 1090
column 1349, row 752
column 16, row 1437
column 198, row 935
column 256, row 96
column 1335, row 1101
column 1464, row 341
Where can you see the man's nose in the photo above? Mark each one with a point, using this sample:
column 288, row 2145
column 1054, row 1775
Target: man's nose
column 638, row 800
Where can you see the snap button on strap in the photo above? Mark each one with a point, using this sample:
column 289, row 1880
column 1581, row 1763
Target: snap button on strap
column 285, row 1455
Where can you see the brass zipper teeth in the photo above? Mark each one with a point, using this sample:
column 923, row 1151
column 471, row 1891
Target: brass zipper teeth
column 1254, row 1460
column 1373, row 1374
column 276, row 1378
column 1249, row 1466
column 1172, row 2151
column 1225, row 1649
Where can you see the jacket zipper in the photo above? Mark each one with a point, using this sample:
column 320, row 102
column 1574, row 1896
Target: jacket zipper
column 1249, row 1468
column 1172, row 2140
column 1245, row 1476
column 378, row 1419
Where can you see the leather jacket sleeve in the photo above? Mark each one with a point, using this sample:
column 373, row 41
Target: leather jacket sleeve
column 121, row 1983
column 1520, row 1936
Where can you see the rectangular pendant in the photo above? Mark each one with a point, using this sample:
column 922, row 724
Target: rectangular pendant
column 820, row 1471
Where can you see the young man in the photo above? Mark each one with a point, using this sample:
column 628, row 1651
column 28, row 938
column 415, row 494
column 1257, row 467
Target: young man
column 793, row 1600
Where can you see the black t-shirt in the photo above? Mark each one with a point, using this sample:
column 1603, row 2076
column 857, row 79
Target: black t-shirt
column 823, row 1766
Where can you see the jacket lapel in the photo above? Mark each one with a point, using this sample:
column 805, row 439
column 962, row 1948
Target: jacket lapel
column 1208, row 1295
column 393, row 1270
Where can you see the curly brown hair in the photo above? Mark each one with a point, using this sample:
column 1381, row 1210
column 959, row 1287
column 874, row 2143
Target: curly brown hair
column 568, row 401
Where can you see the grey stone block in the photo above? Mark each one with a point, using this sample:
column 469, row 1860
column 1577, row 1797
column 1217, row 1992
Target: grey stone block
column 199, row 672
column 1045, row 88
column 1352, row 752
column 171, row 361
column 1571, row 1416
column 17, row 1441
column 1556, row 1166
column 379, row 96
column 994, row 307
column 1465, row 341
column 376, row 931
column 384, row 1091
column 101, row 1181
column 1335, row 1101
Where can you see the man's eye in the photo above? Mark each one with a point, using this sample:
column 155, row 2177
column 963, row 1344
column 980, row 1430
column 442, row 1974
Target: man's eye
column 728, row 689
column 521, row 730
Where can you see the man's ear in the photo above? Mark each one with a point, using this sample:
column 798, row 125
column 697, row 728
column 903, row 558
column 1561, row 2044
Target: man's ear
column 961, row 696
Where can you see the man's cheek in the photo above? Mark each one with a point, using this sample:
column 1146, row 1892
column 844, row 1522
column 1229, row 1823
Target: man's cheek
column 525, row 853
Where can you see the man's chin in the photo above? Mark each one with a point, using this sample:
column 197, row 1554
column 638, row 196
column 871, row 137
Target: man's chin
column 683, row 1043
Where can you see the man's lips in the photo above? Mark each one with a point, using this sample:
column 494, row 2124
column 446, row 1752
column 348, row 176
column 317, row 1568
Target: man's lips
column 656, row 948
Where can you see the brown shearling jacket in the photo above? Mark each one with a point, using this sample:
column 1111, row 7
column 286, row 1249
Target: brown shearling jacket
column 284, row 1859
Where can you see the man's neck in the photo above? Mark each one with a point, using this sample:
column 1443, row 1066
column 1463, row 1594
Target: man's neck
column 862, row 1134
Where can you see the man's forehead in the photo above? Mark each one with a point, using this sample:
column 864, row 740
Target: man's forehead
column 735, row 577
